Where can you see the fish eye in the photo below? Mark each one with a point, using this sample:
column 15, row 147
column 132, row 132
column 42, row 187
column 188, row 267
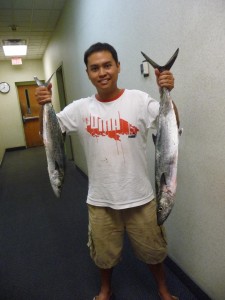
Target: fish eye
column 160, row 208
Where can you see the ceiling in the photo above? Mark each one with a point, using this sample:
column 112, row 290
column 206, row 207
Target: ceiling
column 35, row 21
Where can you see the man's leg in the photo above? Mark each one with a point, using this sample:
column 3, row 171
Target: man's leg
column 159, row 275
column 105, row 290
column 106, row 232
column 149, row 242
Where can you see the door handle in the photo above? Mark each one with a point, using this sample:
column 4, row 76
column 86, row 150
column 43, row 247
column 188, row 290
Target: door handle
column 25, row 119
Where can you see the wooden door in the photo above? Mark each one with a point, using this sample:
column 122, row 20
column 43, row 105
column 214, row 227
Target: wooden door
column 30, row 111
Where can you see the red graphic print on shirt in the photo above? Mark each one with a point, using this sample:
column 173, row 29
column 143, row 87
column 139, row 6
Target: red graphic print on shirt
column 112, row 128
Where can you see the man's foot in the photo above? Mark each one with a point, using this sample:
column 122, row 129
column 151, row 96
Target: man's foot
column 102, row 296
column 167, row 297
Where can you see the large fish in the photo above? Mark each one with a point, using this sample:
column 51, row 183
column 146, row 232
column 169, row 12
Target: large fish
column 166, row 149
column 54, row 144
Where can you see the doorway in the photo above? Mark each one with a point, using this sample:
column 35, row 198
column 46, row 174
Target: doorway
column 62, row 101
column 30, row 111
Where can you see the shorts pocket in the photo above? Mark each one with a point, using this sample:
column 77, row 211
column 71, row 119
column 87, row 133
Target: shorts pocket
column 90, row 242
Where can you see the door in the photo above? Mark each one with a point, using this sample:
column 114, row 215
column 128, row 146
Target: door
column 62, row 100
column 30, row 111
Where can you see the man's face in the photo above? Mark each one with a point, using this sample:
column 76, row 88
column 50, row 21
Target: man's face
column 103, row 71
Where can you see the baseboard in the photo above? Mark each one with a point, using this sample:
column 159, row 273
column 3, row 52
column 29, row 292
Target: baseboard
column 1, row 160
column 15, row 149
column 81, row 172
column 10, row 150
column 186, row 280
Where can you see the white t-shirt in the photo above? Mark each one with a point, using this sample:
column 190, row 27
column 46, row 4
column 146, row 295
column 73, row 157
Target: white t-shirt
column 114, row 136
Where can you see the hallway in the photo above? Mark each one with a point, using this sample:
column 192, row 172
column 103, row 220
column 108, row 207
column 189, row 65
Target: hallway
column 43, row 253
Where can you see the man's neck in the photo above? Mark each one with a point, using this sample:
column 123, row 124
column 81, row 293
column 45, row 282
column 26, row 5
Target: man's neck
column 109, row 96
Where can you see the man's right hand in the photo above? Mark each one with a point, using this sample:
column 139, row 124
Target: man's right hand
column 43, row 94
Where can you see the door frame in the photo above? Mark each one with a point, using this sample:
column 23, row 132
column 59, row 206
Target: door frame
column 63, row 103
column 18, row 84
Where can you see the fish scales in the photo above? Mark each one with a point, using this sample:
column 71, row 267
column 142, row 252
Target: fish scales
column 54, row 147
column 166, row 157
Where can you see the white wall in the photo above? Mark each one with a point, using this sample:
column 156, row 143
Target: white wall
column 11, row 126
column 196, row 226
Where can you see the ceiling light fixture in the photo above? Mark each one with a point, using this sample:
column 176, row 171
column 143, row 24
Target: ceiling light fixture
column 14, row 47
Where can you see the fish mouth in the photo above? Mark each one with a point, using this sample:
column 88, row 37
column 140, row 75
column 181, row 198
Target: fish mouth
column 160, row 222
column 57, row 190
column 164, row 210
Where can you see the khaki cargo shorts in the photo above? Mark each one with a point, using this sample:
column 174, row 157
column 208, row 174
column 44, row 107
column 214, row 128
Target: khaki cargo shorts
column 106, row 234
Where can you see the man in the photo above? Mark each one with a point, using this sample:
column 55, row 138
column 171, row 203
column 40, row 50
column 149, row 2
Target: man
column 113, row 127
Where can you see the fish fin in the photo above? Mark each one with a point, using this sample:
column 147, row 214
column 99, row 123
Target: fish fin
column 39, row 82
column 56, row 166
column 154, row 136
column 171, row 61
column 167, row 66
column 163, row 179
column 150, row 61
column 180, row 131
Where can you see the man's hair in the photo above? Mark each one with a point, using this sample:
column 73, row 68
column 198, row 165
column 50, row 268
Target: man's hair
column 98, row 47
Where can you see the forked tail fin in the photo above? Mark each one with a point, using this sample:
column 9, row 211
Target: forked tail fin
column 167, row 66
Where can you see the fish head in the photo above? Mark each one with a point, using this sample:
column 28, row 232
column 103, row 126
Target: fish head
column 164, row 207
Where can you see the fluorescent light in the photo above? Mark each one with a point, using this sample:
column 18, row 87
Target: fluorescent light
column 15, row 50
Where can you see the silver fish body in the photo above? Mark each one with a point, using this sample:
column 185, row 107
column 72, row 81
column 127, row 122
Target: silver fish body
column 53, row 142
column 54, row 148
column 166, row 157
column 166, row 148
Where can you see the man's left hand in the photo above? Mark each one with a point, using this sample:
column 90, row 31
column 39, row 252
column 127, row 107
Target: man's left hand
column 165, row 79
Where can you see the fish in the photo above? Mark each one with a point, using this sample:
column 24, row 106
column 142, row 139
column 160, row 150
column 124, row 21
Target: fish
column 166, row 148
column 53, row 140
